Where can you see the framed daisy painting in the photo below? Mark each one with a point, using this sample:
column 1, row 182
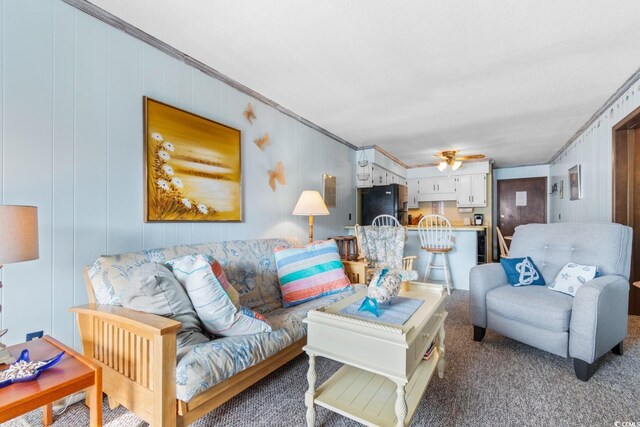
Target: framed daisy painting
column 192, row 167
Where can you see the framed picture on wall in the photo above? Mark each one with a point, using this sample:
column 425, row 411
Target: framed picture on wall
column 575, row 183
column 192, row 167
column 561, row 189
column 329, row 190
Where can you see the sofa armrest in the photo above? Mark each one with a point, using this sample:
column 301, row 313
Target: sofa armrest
column 598, row 317
column 137, row 353
column 482, row 279
column 145, row 323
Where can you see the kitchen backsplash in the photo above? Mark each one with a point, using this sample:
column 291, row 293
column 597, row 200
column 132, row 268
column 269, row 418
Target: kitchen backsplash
column 451, row 212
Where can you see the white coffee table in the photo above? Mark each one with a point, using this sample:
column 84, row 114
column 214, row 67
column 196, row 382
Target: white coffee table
column 384, row 376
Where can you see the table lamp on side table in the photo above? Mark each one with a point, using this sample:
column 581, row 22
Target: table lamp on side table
column 310, row 203
column 18, row 242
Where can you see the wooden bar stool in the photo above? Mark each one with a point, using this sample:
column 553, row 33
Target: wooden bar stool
column 436, row 238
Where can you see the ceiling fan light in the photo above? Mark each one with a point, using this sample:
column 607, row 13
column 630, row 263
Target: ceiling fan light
column 442, row 166
column 456, row 165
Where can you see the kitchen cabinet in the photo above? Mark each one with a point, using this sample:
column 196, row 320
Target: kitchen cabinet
column 437, row 188
column 379, row 176
column 392, row 178
column 472, row 190
column 412, row 190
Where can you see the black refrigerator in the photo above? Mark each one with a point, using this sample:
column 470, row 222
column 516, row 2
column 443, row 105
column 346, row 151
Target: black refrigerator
column 384, row 199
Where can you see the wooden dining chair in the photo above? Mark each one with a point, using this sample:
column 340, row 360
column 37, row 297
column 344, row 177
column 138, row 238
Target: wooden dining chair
column 504, row 250
column 386, row 220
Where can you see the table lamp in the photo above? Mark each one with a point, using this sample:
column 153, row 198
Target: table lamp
column 310, row 203
column 18, row 242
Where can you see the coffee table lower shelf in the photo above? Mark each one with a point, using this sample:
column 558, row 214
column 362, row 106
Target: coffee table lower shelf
column 370, row 398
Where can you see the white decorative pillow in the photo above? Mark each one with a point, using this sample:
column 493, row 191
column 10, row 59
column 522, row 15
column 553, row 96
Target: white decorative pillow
column 216, row 308
column 572, row 276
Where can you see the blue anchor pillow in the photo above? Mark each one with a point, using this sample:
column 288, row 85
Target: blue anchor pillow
column 522, row 272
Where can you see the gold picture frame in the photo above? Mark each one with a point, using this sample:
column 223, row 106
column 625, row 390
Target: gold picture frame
column 192, row 167
column 329, row 190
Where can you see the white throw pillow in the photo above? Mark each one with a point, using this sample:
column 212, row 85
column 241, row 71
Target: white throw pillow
column 216, row 308
column 572, row 276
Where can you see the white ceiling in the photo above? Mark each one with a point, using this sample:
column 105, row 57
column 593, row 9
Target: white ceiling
column 511, row 79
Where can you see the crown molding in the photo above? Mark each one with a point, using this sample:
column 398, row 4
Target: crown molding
column 608, row 103
column 112, row 20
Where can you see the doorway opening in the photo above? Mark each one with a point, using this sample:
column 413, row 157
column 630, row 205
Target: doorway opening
column 521, row 201
column 626, row 193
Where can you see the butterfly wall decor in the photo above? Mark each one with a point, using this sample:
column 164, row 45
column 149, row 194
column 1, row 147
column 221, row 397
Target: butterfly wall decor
column 276, row 174
column 249, row 114
column 263, row 141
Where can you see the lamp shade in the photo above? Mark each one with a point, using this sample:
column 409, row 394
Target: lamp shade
column 18, row 233
column 310, row 203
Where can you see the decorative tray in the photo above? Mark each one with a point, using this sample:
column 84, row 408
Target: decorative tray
column 23, row 369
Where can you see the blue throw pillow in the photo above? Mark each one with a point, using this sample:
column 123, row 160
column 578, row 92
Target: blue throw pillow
column 522, row 272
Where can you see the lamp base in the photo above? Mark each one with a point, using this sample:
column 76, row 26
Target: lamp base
column 5, row 357
column 310, row 228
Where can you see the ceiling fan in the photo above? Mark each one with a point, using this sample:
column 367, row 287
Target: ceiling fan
column 450, row 158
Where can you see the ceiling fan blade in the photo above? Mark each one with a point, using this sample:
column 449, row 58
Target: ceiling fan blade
column 424, row 165
column 470, row 157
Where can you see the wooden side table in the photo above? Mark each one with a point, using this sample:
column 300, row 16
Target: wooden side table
column 356, row 271
column 73, row 373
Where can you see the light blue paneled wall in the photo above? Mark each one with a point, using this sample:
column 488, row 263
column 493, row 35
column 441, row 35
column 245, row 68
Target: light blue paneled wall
column 71, row 144
column 592, row 149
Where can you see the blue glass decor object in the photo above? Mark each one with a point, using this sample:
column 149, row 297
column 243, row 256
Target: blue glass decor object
column 384, row 286
column 23, row 369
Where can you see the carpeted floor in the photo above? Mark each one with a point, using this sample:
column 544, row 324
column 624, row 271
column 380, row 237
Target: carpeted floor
column 498, row 382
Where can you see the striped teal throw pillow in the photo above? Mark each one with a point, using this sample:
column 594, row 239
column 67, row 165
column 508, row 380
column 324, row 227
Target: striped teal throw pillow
column 310, row 272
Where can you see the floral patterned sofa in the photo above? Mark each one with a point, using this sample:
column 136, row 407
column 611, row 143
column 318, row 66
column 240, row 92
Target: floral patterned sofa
column 137, row 351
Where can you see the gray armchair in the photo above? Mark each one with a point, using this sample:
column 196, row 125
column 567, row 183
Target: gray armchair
column 584, row 327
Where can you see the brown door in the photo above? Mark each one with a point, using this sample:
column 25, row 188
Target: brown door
column 521, row 201
column 626, row 193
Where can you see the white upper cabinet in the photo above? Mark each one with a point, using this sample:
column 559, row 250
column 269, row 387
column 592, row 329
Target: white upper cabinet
column 412, row 190
column 472, row 190
column 446, row 184
column 435, row 189
column 375, row 168
column 379, row 176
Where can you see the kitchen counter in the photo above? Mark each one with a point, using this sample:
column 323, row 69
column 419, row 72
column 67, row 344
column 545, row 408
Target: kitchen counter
column 457, row 227
column 453, row 227
column 462, row 258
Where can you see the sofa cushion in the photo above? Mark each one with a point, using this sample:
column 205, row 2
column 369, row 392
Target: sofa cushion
column 534, row 305
column 211, row 363
column 310, row 272
column 153, row 289
column 249, row 265
column 217, row 307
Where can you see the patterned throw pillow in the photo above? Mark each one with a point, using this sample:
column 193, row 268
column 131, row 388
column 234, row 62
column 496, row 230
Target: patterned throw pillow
column 214, row 299
column 572, row 277
column 310, row 272
column 522, row 272
column 153, row 289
